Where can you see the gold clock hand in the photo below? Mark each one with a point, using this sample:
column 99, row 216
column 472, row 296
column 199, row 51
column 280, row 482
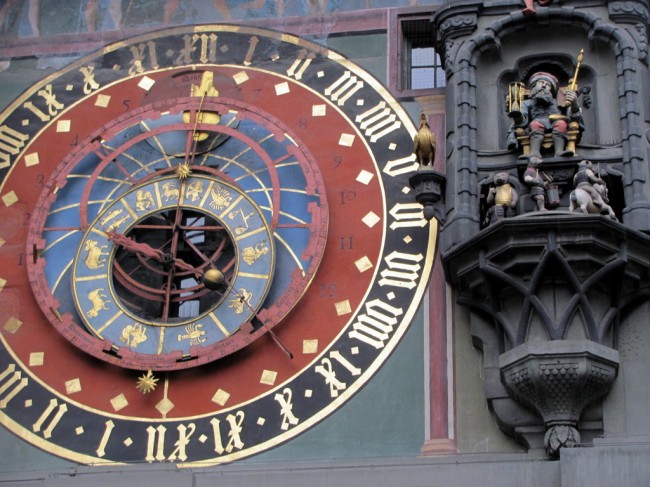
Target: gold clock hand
column 146, row 250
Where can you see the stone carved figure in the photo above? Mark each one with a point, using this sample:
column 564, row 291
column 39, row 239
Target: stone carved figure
column 590, row 193
column 536, row 182
column 424, row 143
column 540, row 114
column 501, row 199
column 529, row 8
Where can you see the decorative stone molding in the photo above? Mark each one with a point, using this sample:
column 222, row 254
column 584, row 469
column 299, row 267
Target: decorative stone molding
column 553, row 286
column 629, row 12
column 558, row 379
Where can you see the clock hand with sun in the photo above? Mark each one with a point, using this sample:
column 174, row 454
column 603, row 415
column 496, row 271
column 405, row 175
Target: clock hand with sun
column 148, row 251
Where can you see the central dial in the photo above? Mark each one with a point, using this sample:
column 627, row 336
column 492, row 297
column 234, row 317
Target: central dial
column 138, row 277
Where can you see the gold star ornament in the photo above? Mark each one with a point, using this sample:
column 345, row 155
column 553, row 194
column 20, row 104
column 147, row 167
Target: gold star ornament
column 147, row 383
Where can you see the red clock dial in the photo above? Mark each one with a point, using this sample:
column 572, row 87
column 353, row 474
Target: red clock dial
column 303, row 161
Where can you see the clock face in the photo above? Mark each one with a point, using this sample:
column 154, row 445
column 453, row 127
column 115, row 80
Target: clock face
column 208, row 245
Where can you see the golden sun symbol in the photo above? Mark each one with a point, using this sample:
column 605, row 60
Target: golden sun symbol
column 183, row 171
column 147, row 383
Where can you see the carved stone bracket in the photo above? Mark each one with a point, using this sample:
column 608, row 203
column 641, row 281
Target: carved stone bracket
column 552, row 285
column 558, row 379
column 429, row 187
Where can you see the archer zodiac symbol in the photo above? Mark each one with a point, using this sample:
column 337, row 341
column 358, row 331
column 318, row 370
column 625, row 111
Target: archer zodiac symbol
column 95, row 255
column 195, row 334
column 133, row 335
column 96, row 298
column 194, row 190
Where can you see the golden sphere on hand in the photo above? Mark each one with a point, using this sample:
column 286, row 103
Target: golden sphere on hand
column 213, row 278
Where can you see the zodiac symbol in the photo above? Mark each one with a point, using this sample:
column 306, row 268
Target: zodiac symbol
column 110, row 216
column 170, row 191
column 194, row 190
column 116, row 223
column 195, row 334
column 241, row 228
column 220, row 198
column 243, row 299
column 96, row 298
column 143, row 200
column 251, row 254
column 133, row 335
column 95, row 255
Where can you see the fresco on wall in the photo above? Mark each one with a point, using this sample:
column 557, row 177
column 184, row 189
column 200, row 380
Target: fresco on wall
column 23, row 18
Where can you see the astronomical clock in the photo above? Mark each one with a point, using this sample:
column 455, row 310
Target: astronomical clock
column 208, row 244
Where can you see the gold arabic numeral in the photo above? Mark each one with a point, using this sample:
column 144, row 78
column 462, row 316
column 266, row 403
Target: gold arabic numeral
column 11, row 142
column 143, row 54
column 327, row 369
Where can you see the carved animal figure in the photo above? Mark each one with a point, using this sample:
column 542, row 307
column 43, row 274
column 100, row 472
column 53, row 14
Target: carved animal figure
column 95, row 255
column 98, row 302
column 581, row 201
column 424, row 143
column 590, row 193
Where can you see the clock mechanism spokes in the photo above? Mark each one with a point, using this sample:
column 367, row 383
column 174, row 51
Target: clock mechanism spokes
column 159, row 281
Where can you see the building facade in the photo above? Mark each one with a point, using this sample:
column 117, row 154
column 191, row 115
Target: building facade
column 493, row 312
